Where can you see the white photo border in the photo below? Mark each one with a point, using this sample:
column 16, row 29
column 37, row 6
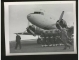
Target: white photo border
column 6, row 20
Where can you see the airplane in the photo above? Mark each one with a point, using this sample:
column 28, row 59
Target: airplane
column 41, row 24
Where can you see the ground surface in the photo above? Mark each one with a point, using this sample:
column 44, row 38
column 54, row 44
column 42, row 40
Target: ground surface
column 32, row 46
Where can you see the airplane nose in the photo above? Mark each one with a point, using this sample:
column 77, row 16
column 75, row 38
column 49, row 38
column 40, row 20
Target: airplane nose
column 29, row 15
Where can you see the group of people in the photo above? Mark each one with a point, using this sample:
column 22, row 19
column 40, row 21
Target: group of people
column 49, row 40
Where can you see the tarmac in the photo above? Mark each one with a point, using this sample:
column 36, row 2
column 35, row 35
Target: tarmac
column 31, row 46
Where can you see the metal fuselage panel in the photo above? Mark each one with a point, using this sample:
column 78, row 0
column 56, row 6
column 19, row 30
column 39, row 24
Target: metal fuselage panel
column 41, row 21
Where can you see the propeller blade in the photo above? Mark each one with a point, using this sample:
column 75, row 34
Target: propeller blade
column 61, row 16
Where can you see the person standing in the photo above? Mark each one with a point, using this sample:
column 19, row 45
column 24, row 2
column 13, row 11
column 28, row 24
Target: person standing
column 50, row 37
column 51, row 41
column 43, row 39
column 18, row 42
column 47, row 37
column 64, row 36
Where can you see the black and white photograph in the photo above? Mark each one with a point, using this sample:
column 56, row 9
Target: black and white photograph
column 40, row 28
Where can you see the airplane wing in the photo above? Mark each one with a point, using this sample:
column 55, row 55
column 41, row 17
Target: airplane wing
column 26, row 33
column 23, row 33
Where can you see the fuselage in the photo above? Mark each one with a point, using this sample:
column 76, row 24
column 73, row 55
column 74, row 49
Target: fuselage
column 45, row 24
column 41, row 20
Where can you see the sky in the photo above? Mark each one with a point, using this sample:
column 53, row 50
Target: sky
column 18, row 21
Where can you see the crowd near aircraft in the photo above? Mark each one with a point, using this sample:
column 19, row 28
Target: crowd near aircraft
column 42, row 24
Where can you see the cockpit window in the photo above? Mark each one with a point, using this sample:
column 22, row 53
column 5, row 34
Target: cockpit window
column 39, row 13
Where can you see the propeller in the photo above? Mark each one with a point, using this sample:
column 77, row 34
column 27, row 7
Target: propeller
column 61, row 16
column 61, row 22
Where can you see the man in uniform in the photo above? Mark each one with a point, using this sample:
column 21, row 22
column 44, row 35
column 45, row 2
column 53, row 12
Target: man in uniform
column 18, row 42
column 47, row 38
column 50, row 35
column 43, row 39
column 64, row 36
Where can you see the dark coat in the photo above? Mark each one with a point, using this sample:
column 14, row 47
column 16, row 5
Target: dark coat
column 18, row 38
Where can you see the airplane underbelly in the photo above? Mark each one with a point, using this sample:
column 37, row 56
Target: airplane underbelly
column 40, row 20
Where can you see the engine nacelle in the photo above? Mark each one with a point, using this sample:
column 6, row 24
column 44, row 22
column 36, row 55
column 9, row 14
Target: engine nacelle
column 31, row 30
